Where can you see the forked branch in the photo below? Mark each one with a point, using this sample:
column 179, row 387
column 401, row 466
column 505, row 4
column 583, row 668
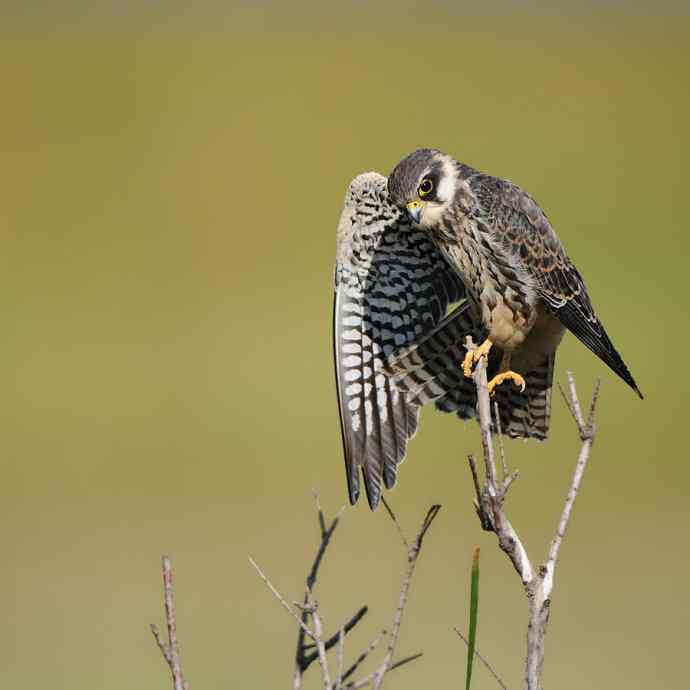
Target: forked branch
column 308, row 611
column 170, row 650
column 490, row 505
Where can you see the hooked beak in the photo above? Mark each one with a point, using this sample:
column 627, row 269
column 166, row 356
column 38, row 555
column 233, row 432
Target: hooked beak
column 414, row 210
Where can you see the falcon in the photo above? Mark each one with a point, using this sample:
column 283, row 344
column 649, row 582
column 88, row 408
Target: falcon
column 522, row 288
column 396, row 344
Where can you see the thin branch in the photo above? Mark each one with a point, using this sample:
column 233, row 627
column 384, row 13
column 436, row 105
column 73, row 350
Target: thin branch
column 412, row 557
column 369, row 679
column 475, row 477
column 322, row 519
column 587, row 435
column 575, row 401
column 333, row 640
column 480, row 505
column 508, row 481
column 161, row 645
column 282, row 601
column 406, row 660
column 358, row 661
column 568, row 404
column 340, row 656
column 488, row 666
column 326, row 534
column 308, row 653
column 302, row 659
column 593, row 407
column 390, row 512
column 430, row 516
column 309, row 607
column 171, row 650
column 573, row 404
column 318, row 639
column 501, row 448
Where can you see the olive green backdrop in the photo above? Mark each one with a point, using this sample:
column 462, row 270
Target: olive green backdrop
column 168, row 203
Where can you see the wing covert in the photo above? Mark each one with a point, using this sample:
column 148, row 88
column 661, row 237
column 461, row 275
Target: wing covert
column 522, row 232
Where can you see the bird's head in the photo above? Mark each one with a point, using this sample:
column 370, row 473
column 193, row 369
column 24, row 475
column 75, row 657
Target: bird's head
column 423, row 184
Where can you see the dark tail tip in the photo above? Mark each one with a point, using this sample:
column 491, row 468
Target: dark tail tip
column 625, row 374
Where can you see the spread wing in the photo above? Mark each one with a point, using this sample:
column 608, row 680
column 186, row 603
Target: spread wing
column 391, row 287
column 527, row 239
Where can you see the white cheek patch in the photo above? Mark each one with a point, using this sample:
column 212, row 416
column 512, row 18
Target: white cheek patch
column 445, row 188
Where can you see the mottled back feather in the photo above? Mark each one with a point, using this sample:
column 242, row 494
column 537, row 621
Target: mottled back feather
column 522, row 232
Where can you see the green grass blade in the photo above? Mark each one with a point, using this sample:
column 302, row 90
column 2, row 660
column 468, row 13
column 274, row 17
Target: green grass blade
column 474, row 608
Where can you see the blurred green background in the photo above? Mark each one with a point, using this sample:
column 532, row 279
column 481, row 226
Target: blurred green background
column 170, row 184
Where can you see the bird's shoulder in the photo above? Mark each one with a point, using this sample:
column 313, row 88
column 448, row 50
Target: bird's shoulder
column 522, row 232
column 508, row 209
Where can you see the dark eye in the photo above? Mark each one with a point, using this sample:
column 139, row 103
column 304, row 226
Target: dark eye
column 425, row 187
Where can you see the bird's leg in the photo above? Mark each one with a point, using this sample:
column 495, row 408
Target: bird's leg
column 473, row 356
column 506, row 374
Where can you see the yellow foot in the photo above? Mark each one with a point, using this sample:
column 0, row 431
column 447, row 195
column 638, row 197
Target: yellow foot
column 473, row 356
column 500, row 378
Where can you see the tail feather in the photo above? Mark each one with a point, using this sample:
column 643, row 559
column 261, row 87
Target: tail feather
column 527, row 414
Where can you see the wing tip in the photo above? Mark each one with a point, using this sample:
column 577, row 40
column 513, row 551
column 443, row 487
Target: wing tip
column 372, row 491
column 353, row 494
column 373, row 496
column 622, row 370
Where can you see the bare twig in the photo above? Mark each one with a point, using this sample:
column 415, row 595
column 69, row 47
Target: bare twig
column 322, row 519
column 509, row 480
column 390, row 512
column 587, row 436
column 475, row 477
column 333, row 640
column 309, row 607
column 302, row 612
column 171, row 650
column 591, row 428
column 501, row 448
column 413, row 552
column 575, row 401
column 318, row 639
column 358, row 661
column 492, row 514
column 304, row 660
column 161, row 645
column 480, row 502
column 340, row 659
column 282, row 601
column 488, row 666
column 371, row 678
